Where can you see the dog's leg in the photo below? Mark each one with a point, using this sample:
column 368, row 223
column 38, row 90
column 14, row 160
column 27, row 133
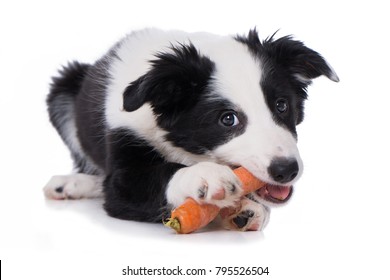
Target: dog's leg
column 249, row 216
column 74, row 186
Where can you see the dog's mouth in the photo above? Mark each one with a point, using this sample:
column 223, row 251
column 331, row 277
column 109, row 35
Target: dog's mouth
column 275, row 194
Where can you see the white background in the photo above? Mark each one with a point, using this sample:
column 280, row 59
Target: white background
column 335, row 227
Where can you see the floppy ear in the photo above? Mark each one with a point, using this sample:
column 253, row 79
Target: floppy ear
column 174, row 76
column 304, row 63
column 133, row 96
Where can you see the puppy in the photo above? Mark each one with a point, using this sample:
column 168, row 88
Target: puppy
column 166, row 115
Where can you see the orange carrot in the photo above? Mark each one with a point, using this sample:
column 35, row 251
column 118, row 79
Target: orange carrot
column 191, row 215
column 249, row 183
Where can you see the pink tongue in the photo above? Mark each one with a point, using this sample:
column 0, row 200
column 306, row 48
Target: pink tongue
column 278, row 192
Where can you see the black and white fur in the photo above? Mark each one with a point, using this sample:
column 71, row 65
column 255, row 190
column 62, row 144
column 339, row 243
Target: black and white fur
column 165, row 115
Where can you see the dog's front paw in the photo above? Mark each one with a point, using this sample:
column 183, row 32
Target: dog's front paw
column 206, row 182
column 249, row 216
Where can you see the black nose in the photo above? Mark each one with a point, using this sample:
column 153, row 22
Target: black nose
column 283, row 170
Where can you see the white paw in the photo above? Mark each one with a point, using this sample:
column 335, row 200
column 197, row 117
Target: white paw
column 74, row 187
column 250, row 216
column 206, row 182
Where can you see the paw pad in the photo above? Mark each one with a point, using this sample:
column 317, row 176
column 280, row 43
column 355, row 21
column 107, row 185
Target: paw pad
column 59, row 189
column 242, row 219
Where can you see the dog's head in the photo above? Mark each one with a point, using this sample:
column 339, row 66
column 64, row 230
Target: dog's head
column 235, row 101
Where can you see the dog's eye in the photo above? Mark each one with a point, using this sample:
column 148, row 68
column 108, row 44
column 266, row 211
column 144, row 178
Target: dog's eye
column 229, row 119
column 281, row 105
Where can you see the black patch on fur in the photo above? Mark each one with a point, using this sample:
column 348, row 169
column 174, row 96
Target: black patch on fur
column 277, row 86
column 137, row 179
column 90, row 106
column 284, row 60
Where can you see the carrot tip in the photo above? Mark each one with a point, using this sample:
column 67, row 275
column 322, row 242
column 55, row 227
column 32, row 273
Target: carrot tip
column 173, row 223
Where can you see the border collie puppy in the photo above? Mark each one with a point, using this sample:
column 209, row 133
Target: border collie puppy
column 166, row 115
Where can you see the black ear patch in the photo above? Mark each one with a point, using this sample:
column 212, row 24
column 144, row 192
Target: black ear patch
column 173, row 83
column 302, row 62
column 133, row 96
